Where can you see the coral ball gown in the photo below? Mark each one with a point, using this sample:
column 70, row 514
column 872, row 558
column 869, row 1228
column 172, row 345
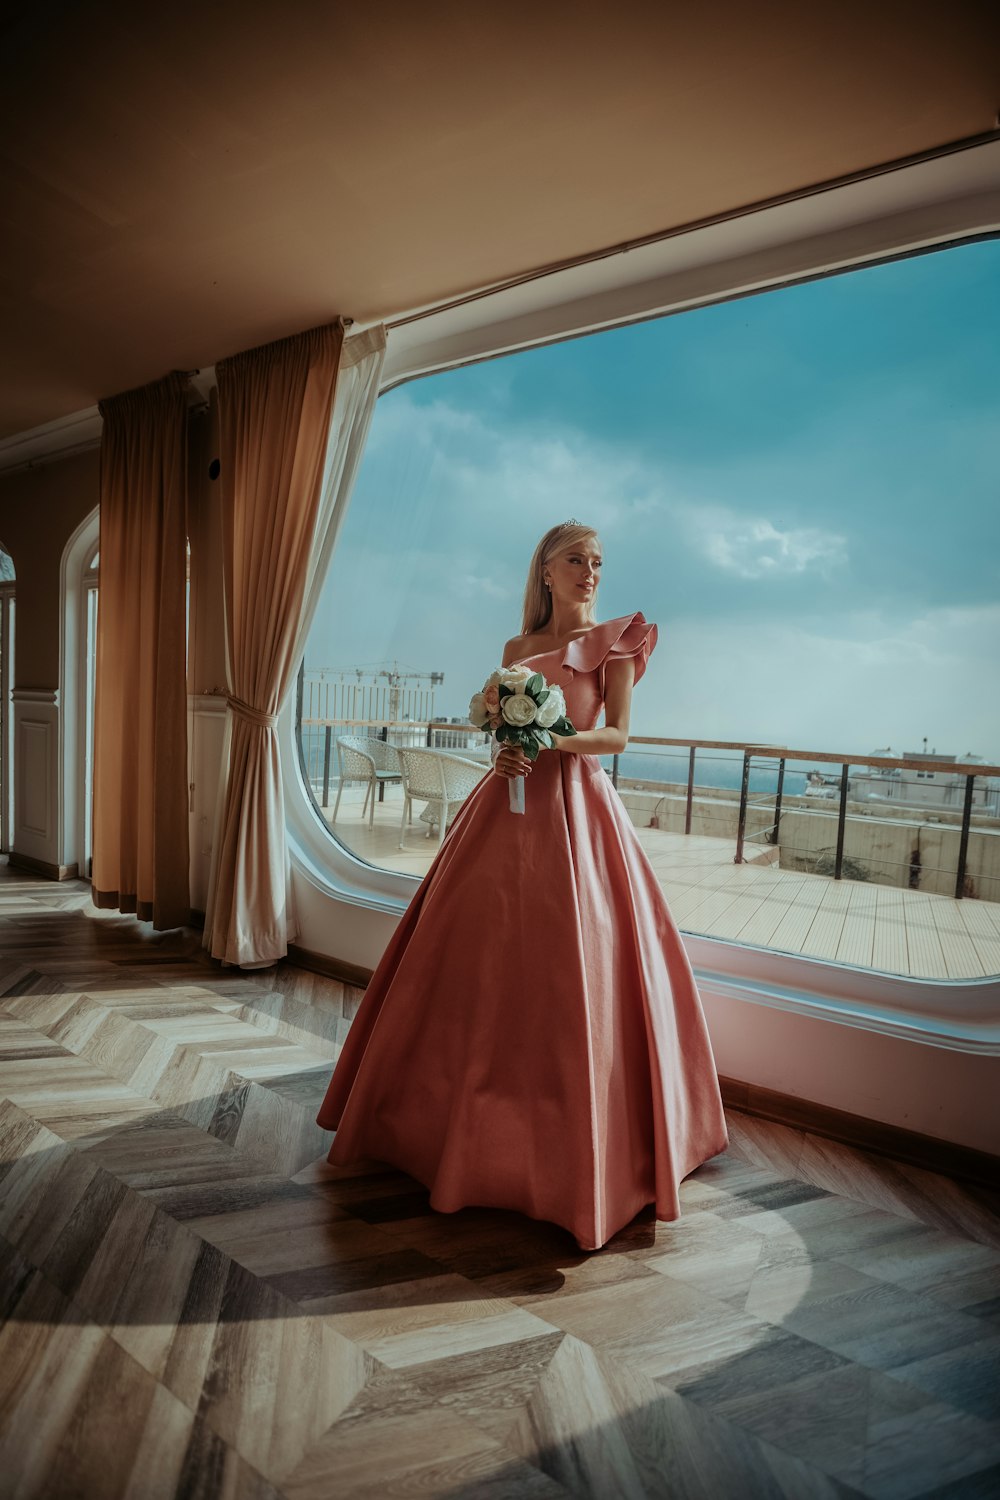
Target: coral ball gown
column 532, row 1038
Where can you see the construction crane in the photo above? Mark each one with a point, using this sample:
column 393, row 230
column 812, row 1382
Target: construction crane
column 397, row 675
column 398, row 678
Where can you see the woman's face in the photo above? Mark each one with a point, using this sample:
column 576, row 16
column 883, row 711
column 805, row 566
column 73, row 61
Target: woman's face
column 575, row 573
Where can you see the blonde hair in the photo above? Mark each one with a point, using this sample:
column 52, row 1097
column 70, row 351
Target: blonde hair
column 537, row 599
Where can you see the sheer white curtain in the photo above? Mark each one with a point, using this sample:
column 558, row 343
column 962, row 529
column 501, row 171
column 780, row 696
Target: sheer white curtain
column 357, row 391
column 237, row 933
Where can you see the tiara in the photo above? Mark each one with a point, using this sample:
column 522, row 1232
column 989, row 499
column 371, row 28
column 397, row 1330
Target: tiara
column 571, row 522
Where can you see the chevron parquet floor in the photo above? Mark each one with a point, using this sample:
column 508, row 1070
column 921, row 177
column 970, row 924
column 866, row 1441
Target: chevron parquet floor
column 196, row 1305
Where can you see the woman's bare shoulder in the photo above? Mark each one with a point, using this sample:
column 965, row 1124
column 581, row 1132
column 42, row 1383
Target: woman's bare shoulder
column 514, row 649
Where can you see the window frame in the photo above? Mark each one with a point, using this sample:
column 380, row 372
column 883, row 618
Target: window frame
column 89, row 592
column 914, row 210
column 8, row 645
column 76, row 575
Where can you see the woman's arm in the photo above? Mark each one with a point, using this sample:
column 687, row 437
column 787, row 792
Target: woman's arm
column 612, row 739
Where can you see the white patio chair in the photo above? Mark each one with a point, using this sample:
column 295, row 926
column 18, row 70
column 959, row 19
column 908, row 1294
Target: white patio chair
column 442, row 781
column 361, row 758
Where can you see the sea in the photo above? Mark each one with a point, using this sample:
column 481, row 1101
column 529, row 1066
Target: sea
column 720, row 769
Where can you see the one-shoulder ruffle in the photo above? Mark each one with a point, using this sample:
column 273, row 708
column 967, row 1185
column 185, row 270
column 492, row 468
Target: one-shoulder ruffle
column 615, row 640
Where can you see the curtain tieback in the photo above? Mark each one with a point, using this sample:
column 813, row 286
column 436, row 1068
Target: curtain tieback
column 252, row 715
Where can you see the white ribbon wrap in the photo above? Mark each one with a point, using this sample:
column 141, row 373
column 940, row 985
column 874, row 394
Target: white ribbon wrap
column 515, row 786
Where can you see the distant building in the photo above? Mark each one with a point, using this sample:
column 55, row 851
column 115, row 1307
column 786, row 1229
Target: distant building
column 819, row 784
column 942, row 789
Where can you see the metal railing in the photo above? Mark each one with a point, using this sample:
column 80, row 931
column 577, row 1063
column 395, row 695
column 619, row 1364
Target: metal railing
column 442, row 734
column 782, row 755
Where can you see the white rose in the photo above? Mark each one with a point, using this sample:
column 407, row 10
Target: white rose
column 552, row 709
column 518, row 709
column 495, row 678
column 516, row 677
column 478, row 712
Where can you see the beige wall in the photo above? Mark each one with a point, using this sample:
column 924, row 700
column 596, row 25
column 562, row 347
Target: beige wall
column 40, row 508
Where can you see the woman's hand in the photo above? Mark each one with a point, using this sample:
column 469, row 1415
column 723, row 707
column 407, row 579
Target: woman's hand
column 511, row 761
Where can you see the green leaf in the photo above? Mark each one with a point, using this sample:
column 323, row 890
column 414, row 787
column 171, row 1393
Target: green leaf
column 531, row 749
column 534, row 684
column 563, row 726
column 541, row 697
column 504, row 691
column 544, row 738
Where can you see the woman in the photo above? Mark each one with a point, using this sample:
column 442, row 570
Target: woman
column 532, row 1038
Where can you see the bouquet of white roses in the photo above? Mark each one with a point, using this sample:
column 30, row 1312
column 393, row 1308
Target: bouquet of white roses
column 521, row 708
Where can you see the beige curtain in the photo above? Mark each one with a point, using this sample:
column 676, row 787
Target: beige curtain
column 140, row 840
column 275, row 406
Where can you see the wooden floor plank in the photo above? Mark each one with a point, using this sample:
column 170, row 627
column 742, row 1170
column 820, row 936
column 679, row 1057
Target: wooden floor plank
column 923, row 943
column 192, row 1308
column 825, row 931
column 953, row 938
column 889, row 950
column 982, row 925
column 857, row 938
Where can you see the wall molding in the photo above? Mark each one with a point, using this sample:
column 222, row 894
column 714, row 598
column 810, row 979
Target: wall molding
column 42, row 867
column 76, row 432
column 978, row 1034
column 332, row 968
column 52, row 441
column 925, row 1151
column 209, row 705
column 35, row 695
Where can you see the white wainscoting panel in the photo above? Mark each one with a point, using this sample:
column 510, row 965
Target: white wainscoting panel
column 36, row 774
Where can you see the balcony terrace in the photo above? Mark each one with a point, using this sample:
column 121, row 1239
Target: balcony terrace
column 861, row 923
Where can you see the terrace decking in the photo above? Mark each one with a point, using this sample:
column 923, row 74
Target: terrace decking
column 860, row 923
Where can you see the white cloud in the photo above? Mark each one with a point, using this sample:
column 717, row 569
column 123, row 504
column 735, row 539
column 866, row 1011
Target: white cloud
column 482, row 473
column 526, row 481
column 450, row 504
column 472, row 586
column 753, row 547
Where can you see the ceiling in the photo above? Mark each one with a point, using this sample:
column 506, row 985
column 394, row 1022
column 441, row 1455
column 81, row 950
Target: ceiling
column 179, row 187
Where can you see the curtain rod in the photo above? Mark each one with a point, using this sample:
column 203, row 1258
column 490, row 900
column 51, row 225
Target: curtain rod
column 865, row 174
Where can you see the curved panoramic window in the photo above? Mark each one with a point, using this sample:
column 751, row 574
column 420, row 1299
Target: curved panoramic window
column 798, row 487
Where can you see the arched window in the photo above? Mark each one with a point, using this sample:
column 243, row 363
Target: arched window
column 6, row 684
column 89, row 585
column 76, row 688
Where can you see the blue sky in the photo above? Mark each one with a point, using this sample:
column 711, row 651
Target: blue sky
column 802, row 488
